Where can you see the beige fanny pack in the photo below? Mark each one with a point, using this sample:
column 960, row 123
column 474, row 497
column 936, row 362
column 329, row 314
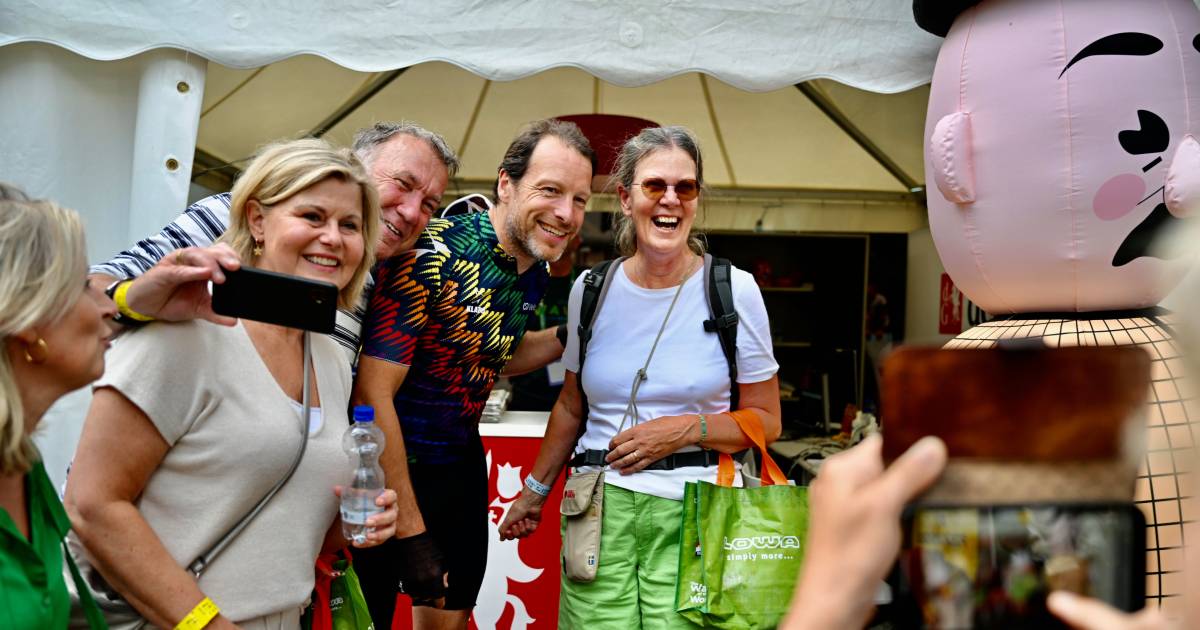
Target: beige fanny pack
column 582, row 508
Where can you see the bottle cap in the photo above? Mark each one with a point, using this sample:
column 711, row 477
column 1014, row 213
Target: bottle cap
column 364, row 413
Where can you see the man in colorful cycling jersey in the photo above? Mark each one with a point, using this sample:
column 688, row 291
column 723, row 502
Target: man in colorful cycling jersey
column 444, row 320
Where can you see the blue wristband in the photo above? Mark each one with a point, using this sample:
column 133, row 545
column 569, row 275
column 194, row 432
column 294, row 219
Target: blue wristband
column 536, row 486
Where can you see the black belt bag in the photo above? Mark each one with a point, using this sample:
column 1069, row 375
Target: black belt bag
column 595, row 457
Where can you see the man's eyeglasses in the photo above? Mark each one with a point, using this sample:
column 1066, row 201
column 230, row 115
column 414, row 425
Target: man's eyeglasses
column 656, row 187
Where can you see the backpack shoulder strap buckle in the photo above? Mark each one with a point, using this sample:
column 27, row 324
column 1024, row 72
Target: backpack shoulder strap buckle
column 728, row 320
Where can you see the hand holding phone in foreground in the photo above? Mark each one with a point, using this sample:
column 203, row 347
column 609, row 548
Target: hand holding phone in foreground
column 176, row 288
column 1085, row 613
column 854, row 531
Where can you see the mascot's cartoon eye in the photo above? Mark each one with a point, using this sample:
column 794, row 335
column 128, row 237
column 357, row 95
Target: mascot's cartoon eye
column 1153, row 136
column 1196, row 43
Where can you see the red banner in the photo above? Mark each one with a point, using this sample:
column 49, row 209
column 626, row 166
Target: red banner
column 950, row 313
column 521, row 584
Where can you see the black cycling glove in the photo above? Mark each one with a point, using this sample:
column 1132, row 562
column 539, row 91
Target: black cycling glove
column 422, row 570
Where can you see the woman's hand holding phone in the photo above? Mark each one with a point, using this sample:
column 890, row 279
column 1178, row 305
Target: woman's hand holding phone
column 176, row 288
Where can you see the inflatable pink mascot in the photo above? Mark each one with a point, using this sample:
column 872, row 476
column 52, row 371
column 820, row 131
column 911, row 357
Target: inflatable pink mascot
column 1060, row 143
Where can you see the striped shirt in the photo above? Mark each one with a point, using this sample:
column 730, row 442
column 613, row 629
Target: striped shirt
column 200, row 226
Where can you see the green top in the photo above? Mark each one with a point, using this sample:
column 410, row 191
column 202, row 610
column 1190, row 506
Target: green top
column 33, row 593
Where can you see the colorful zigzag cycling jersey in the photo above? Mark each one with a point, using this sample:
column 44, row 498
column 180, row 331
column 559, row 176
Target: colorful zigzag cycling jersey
column 453, row 309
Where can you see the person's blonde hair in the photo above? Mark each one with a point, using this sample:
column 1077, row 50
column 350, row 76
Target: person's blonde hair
column 44, row 262
column 282, row 169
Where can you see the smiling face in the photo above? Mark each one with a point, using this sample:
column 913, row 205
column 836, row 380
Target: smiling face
column 410, row 178
column 663, row 223
column 541, row 212
column 1072, row 135
column 316, row 233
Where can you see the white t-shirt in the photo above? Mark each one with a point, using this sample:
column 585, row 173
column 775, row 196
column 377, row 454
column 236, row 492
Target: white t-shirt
column 688, row 373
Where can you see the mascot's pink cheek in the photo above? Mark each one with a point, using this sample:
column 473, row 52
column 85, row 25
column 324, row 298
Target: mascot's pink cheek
column 1118, row 196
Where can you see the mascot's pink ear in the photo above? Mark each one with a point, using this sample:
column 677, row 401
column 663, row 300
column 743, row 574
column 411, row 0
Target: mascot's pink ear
column 950, row 156
column 1183, row 179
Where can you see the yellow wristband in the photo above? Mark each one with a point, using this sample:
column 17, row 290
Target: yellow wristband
column 123, row 306
column 703, row 431
column 203, row 613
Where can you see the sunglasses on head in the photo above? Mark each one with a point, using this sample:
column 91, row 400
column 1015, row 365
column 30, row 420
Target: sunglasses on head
column 656, row 187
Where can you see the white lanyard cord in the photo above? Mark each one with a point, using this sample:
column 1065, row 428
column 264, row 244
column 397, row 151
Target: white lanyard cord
column 631, row 409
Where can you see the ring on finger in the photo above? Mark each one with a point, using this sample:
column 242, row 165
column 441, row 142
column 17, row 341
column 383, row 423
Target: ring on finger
column 179, row 257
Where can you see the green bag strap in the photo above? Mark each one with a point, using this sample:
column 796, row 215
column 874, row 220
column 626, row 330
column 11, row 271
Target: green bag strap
column 90, row 610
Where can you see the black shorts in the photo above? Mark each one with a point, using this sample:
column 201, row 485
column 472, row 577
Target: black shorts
column 453, row 499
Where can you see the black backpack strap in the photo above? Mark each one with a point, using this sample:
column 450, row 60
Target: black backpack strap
column 595, row 287
column 718, row 289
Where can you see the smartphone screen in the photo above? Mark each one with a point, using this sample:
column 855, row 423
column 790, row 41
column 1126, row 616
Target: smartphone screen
column 994, row 566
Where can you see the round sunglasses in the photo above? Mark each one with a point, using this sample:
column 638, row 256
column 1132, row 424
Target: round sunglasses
column 655, row 187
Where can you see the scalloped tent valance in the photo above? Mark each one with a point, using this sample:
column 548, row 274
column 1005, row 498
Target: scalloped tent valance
column 755, row 46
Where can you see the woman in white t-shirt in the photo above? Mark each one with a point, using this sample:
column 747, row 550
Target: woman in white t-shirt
column 193, row 422
column 682, row 407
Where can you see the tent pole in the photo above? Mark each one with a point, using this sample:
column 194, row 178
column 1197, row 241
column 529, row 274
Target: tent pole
column 483, row 91
column 362, row 96
column 840, row 119
column 712, row 117
column 212, row 172
column 170, row 95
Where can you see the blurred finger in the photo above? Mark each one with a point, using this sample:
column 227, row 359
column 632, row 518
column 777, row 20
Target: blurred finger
column 226, row 256
column 914, row 471
column 854, row 467
column 385, row 498
column 1084, row 612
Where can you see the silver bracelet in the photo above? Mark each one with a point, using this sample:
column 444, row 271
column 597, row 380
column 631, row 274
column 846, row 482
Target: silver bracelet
column 536, row 486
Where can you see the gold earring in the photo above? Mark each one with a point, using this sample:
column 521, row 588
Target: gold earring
column 258, row 245
column 45, row 352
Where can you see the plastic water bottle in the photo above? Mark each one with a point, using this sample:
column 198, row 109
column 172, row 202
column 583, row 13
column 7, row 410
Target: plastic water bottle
column 363, row 443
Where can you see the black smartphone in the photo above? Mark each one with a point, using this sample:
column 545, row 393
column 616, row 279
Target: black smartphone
column 276, row 298
column 994, row 566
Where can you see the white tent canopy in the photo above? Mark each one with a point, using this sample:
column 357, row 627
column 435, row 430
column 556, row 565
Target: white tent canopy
column 761, row 45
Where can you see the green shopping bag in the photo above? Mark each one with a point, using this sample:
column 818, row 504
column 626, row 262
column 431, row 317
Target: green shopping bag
column 741, row 548
column 347, row 606
column 337, row 601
